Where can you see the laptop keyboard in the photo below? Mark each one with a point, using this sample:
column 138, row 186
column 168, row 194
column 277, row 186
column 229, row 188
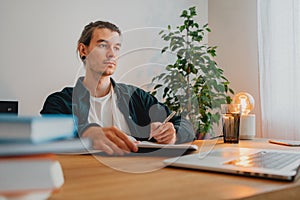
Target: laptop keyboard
column 263, row 159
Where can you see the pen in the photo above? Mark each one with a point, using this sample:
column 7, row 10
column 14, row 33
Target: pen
column 165, row 121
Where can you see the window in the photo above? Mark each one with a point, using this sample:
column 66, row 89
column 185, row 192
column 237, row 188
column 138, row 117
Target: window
column 279, row 66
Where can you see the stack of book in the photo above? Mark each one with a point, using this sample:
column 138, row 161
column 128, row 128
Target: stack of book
column 31, row 176
column 28, row 165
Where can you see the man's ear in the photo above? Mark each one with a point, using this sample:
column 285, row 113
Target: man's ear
column 82, row 50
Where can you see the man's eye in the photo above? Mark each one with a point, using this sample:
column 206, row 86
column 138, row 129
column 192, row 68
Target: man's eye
column 117, row 48
column 102, row 45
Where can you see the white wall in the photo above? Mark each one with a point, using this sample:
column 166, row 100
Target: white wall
column 234, row 31
column 38, row 42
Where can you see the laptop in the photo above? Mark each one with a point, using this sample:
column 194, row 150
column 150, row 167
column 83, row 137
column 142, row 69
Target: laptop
column 264, row 163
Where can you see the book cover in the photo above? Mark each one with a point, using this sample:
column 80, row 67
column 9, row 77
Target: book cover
column 26, row 174
column 36, row 129
column 73, row 145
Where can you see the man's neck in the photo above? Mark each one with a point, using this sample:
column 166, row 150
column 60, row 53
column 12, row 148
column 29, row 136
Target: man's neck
column 97, row 86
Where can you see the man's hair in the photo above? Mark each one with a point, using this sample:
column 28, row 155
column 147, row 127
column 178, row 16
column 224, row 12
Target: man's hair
column 88, row 30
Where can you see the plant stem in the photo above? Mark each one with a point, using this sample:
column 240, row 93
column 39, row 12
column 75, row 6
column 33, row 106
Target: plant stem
column 189, row 106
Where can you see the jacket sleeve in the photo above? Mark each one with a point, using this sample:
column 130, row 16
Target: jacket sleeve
column 184, row 130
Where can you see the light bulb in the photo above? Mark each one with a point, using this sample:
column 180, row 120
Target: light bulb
column 245, row 100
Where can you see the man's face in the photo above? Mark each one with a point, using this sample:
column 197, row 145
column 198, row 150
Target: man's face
column 103, row 51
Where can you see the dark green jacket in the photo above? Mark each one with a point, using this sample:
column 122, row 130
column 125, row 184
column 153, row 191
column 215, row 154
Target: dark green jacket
column 138, row 107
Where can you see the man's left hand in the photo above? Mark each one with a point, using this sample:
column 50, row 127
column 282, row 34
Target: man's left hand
column 163, row 133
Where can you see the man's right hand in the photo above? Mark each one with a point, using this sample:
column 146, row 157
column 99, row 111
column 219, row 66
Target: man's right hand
column 111, row 140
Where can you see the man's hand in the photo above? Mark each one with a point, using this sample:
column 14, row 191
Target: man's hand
column 111, row 140
column 163, row 133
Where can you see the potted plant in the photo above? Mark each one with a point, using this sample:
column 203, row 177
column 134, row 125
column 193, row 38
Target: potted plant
column 193, row 85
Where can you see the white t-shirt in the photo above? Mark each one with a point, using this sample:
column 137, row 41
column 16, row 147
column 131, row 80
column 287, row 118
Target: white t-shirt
column 105, row 112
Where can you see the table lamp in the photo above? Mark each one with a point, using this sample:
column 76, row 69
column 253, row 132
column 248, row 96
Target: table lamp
column 247, row 121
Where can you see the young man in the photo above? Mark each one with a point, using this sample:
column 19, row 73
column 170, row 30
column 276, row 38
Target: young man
column 108, row 111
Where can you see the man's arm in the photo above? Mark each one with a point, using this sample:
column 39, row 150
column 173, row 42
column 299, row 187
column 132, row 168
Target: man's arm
column 110, row 139
column 184, row 130
column 178, row 130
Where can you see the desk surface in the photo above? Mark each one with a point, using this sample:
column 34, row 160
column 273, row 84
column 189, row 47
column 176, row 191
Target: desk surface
column 86, row 177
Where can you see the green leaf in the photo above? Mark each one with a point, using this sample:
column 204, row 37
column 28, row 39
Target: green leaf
column 194, row 70
column 184, row 13
column 153, row 93
column 167, row 38
column 157, row 86
column 228, row 100
column 164, row 49
column 193, row 11
column 198, row 38
column 181, row 28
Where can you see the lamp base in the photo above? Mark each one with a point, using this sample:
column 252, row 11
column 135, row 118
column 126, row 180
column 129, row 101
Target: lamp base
column 247, row 127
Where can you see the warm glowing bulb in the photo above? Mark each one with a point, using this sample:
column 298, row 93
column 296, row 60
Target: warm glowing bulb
column 245, row 100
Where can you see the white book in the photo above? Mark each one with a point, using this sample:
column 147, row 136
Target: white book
column 35, row 129
column 35, row 195
column 26, row 174
column 146, row 144
column 153, row 145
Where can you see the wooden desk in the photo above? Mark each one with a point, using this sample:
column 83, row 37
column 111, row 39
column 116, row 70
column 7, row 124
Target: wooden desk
column 87, row 178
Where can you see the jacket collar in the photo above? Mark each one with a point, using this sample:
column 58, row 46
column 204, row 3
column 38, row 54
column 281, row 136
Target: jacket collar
column 80, row 90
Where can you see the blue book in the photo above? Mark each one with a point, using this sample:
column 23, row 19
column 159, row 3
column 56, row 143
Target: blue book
column 36, row 129
column 65, row 146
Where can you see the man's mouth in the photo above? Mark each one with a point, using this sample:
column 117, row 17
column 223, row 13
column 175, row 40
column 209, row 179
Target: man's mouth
column 110, row 62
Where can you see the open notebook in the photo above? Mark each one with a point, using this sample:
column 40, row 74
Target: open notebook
column 146, row 148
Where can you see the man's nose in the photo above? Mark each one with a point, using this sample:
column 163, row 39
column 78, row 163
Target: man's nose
column 110, row 52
